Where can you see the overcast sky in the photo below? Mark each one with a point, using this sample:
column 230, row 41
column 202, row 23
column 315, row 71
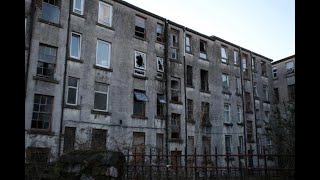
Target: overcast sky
column 266, row 27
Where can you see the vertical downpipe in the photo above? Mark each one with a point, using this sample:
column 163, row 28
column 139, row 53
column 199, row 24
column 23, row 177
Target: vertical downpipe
column 185, row 96
column 166, row 67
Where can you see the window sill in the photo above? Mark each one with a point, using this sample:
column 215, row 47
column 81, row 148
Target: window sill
column 102, row 68
column 236, row 65
column 246, row 78
column 175, row 61
column 160, row 42
column 139, row 117
column 225, row 63
column 175, row 102
column 268, row 102
column 100, row 112
column 178, row 140
column 204, row 59
column 72, row 106
column 240, row 123
column 140, row 38
column 75, row 60
column 160, row 79
column 50, row 23
column 79, row 15
column 139, row 77
column 41, row 132
column 191, row 121
column 226, row 92
column 105, row 26
column 50, row 80
column 159, row 117
column 204, row 91
column 228, row 124
column 190, row 86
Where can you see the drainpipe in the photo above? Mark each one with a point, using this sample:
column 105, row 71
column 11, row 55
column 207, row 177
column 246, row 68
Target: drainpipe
column 33, row 10
column 64, row 81
column 243, row 106
column 254, row 108
column 185, row 90
column 166, row 84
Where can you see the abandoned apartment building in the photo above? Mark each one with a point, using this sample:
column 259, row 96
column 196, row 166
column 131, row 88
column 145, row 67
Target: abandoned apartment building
column 109, row 75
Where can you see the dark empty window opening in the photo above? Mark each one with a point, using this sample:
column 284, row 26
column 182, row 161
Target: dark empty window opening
column 161, row 101
column 189, row 75
column 140, row 100
column 140, row 27
column 205, row 113
column 99, row 137
column 291, row 92
column 175, row 90
column 203, row 49
column 69, row 139
column 204, row 80
column 263, row 68
column 175, row 126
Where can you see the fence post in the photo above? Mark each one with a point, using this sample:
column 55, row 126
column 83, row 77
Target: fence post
column 150, row 160
column 216, row 159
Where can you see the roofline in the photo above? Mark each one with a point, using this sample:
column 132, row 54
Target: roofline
column 281, row 60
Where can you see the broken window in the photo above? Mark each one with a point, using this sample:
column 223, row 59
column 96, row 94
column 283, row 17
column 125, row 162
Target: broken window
column 189, row 75
column 238, row 85
column 255, row 90
column 236, row 57
column 103, row 54
column 51, row 11
column 264, row 68
column 78, row 6
column 290, row 67
column 42, row 112
column 190, row 109
column 291, row 92
column 139, row 103
column 175, row 126
column 203, row 49
column 250, row 131
column 140, row 27
column 105, row 14
column 174, row 44
column 37, row 155
column 138, row 146
column 47, row 61
column 69, row 139
column 265, row 93
column 161, row 101
column 204, row 80
column 160, row 67
column 160, row 33
column 140, row 63
column 176, row 158
column 239, row 114
column 188, row 44
column 205, row 114
column 175, row 89
column 226, row 114
column 225, row 82
column 224, row 55
column 75, row 45
column 248, row 101
column 99, row 139
column 101, row 91
column 228, row 142
column 274, row 71
column 72, row 91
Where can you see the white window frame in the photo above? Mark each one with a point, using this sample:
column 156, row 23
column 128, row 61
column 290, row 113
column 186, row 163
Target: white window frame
column 108, row 58
column 227, row 79
column 102, row 92
column 274, row 71
column 226, row 110
column 235, row 57
column 224, row 59
column 75, row 10
column 239, row 114
column 159, row 59
column 70, row 48
column 72, row 87
column 101, row 20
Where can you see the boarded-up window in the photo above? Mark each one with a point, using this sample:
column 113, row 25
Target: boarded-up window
column 138, row 145
column 69, row 138
column 99, row 139
column 205, row 113
column 176, row 158
column 250, row 131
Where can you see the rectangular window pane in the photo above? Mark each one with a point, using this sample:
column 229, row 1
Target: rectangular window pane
column 69, row 138
column 75, row 46
column 99, row 137
column 100, row 101
column 235, row 57
column 72, row 96
column 103, row 49
column 224, row 57
column 50, row 12
column 42, row 112
column 105, row 13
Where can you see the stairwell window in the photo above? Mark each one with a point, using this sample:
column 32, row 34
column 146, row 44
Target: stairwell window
column 160, row 37
column 75, row 45
column 274, row 72
column 101, row 94
column 73, row 86
column 175, row 89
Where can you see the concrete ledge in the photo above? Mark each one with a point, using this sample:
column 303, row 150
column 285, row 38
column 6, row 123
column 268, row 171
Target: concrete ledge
column 50, row 80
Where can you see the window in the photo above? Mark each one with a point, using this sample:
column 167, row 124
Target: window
column 140, row 65
column 99, row 139
column 37, row 155
column 249, row 131
column 225, row 82
column 42, row 112
column 276, row 94
column 160, row 145
column 75, row 47
column 239, row 114
column 101, row 92
column 274, row 71
column 203, row 49
column 204, row 80
column 207, row 146
column 73, row 85
column 190, row 147
column 69, row 139
column 175, row 126
column 290, row 67
column 176, row 158
column 236, row 57
column 228, row 144
column 140, row 27
column 241, row 143
column 190, row 109
column 226, row 115
column 264, row 68
column 78, row 6
column 205, row 113
column 47, row 61
column 161, row 101
column 139, row 103
column 238, row 85
column 245, row 67
column 253, row 63
column 189, row 75
column 291, row 92
column 174, row 40
column 105, row 14
column 255, row 90
column 265, row 92
column 259, row 147
column 224, row 54
column 266, row 116
column 51, row 11
column 175, row 89
column 160, row 66
column 248, row 101
column 188, row 44
column 138, row 145
column 160, row 33
column 103, row 54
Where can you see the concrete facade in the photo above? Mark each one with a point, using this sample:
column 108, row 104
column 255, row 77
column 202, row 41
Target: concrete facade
column 119, row 119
